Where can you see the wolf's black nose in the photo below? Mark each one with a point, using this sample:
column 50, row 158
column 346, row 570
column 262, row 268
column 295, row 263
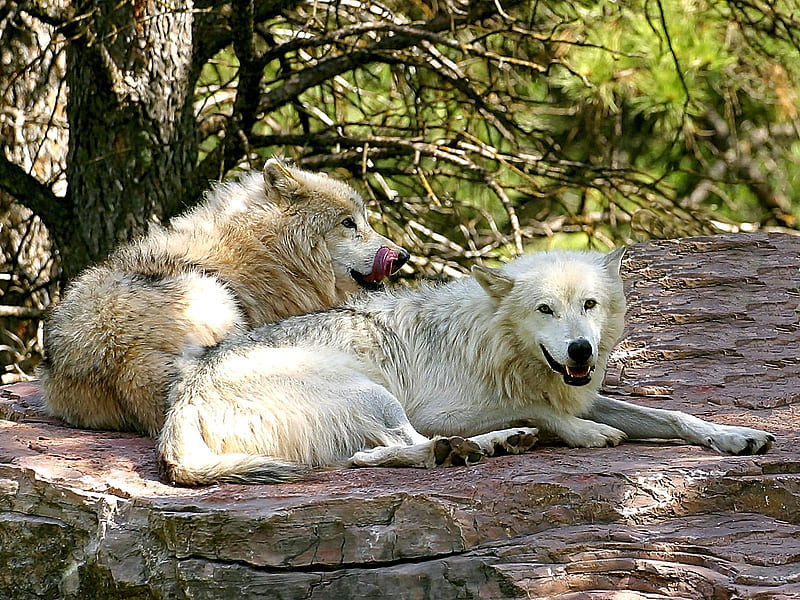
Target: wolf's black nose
column 402, row 258
column 579, row 350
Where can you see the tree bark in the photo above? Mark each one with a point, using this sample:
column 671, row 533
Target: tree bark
column 130, row 111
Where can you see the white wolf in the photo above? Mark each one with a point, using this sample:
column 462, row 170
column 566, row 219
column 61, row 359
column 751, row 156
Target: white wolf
column 370, row 383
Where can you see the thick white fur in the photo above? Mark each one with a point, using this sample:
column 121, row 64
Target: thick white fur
column 265, row 247
column 371, row 383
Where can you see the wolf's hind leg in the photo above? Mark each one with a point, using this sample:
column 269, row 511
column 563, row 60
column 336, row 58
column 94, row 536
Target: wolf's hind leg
column 395, row 442
column 445, row 451
column 448, row 451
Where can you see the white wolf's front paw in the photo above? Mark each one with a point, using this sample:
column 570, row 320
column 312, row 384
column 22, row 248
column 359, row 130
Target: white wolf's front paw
column 456, row 451
column 739, row 440
column 507, row 441
column 589, row 434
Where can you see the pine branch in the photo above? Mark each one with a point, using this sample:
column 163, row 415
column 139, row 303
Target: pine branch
column 213, row 31
column 30, row 192
column 21, row 312
column 380, row 51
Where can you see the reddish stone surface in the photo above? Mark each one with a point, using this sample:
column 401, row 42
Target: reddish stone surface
column 712, row 329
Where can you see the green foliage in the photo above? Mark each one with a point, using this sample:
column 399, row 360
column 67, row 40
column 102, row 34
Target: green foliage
column 572, row 123
column 646, row 82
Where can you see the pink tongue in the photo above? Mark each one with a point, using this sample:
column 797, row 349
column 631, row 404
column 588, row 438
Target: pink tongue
column 382, row 265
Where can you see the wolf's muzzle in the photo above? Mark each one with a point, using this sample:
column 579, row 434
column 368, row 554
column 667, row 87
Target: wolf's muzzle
column 579, row 374
column 387, row 262
column 580, row 350
column 402, row 258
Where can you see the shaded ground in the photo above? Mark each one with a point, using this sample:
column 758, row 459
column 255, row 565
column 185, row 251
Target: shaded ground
column 712, row 329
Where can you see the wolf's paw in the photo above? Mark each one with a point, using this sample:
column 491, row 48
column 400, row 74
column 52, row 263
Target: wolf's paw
column 365, row 458
column 507, row 441
column 593, row 435
column 518, row 442
column 740, row 440
column 456, row 451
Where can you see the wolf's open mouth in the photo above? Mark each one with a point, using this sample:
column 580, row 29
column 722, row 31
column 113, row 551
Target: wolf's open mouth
column 361, row 280
column 576, row 376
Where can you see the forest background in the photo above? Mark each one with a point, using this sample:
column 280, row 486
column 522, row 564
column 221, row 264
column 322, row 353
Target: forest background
column 477, row 130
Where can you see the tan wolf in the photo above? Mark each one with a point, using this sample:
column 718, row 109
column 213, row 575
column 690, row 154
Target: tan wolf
column 265, row 247
column 373, row 382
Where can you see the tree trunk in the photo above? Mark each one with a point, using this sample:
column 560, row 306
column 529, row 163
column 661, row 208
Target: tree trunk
column 130, row 111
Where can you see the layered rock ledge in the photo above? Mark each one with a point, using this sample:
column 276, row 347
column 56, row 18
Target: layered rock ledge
column 712, row 329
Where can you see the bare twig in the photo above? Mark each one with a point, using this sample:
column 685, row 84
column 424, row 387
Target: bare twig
column 21, row 312
column 27, row 190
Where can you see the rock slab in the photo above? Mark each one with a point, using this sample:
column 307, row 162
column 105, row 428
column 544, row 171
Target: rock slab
column 712, row 329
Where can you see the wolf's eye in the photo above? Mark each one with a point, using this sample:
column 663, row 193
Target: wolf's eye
column 349, row 223
column 590, row 304
column 544, row 309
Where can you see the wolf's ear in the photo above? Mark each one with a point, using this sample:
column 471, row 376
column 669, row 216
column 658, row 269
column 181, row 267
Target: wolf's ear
column 279, row 177
column 492, row 281
column 613, row 260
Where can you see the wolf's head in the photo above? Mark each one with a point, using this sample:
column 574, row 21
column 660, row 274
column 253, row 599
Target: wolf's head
column 565, row 308
column 334, row 214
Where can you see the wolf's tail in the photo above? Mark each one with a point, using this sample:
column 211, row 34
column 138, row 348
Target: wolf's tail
column 229, row 468
column 185, row 458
